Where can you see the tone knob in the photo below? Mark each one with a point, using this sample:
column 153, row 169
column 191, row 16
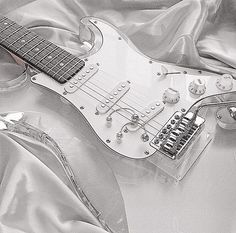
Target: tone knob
column 197, row 87
column 225, row 82
column 171, row 96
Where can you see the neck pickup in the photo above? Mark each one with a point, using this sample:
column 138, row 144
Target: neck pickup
column 38, row 52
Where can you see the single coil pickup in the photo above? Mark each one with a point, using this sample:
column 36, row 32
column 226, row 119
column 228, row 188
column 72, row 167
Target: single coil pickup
column 113, row 97
column 81, row 78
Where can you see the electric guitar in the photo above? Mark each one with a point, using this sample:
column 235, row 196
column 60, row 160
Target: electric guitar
column 136, row 107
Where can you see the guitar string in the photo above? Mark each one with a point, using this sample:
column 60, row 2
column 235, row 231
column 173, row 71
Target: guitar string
column 80, row 88
column 140, row 111
column 110, row 100
column 114, row 104
column 137, row 110
column 146, row 123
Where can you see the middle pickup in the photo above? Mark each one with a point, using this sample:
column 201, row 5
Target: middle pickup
column 113, row 97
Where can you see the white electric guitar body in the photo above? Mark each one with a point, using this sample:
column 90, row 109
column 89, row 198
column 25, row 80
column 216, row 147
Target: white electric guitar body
column 143, row 109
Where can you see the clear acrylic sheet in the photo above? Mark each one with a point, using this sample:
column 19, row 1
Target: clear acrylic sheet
column 49, row 115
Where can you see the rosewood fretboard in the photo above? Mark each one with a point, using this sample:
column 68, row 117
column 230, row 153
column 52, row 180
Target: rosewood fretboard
column 38, row 52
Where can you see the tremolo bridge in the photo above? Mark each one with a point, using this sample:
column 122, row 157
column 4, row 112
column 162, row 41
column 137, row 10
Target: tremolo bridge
column 177, row 134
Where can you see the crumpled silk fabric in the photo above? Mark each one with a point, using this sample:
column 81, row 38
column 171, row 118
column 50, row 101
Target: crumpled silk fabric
column 34, row 198
column 195, row 33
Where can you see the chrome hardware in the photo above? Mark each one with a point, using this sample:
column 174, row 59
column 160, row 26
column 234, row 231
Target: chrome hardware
column 226, row 117
column 119, row 137
column 124, row 128
column 177, row 134
column 145, row 137
column 109, row 118
column 109, row 121
column 81, row 78
column 232, row 111
column 135, row 118
column 113, row 97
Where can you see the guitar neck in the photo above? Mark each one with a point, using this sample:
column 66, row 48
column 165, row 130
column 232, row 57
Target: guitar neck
column 38, row 52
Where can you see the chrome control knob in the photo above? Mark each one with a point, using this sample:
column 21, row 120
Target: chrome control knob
column 197, row 87
column 225, row 82
column 171, row 96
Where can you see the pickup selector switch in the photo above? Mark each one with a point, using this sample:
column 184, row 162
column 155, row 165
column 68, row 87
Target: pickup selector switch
column 197, row 87
column 171, row 96
column 225, row 82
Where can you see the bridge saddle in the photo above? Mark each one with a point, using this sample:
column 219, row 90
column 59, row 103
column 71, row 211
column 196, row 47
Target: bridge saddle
column 177, row 134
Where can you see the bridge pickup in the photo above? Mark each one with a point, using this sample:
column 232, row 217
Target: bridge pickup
column 81, row 78
column 151, row 111
column 177, row 134
column 113, row 97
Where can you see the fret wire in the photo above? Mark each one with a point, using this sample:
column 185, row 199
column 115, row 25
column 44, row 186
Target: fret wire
column 27, row 42
column 61, row 51
column 33, row 47
column 60, row 61
column 71, row 60
column 69, row 69
column 7, row 27
column 11, row 34
column 19, row 38
column 40, row 51
column 46, row 55
column 3, row 19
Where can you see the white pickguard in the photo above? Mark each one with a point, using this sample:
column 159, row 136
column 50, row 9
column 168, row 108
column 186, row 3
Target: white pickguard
column 202, row 202
column 117, row 62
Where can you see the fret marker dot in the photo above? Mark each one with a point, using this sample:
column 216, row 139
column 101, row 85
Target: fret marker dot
column 22, row 41
column 49, row 57
column 5, row 23
column 61, row 64
column 36, row 49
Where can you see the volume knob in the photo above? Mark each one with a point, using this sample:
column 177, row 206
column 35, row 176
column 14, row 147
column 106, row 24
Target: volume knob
column 197, row 87
column 171, row 96
column 225, row 82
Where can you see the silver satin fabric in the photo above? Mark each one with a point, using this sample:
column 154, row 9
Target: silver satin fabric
column 34, row 196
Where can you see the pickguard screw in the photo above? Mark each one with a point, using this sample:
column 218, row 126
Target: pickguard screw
column 95, row 22
column 33, row 78
column 64, row 93
column 126, row 130
column 146, row 152
column 119, row 38
column 185, row 72
column 150, row 62
column 219, row 117
column 98, row 64
column 158, row 73
column 81, row 107
column 86, row 59
column 108, row 141
column 199, row 71
column 96, row 113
